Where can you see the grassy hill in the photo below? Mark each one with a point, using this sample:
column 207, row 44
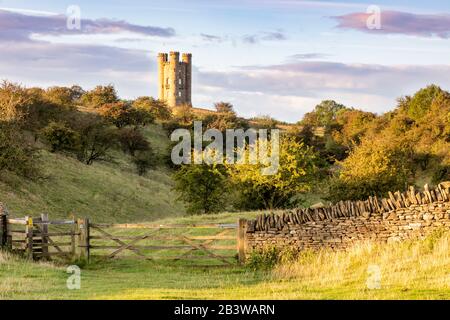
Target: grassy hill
column 103, row 191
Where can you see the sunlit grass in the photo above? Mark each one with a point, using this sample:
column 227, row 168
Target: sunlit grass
column 410, row 270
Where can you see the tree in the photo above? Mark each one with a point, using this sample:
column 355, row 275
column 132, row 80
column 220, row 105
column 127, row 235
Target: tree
column 132, row 140
column 294, row 176
column 144, row 160
column 350, row 126
column 99, row 96
column 122, row 114
column 16, row 155
column 224, row 107
column 184, row 114
column 14, row 102
column 376, row 166
column 421, row 102
column 264, row 122
column 202, row 187
column 324, row 114
column 61, row 96
column 96, row 139
column 60, row 137
column 157, row 108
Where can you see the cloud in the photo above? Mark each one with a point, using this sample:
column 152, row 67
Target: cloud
column 396, row 22
column 273, row 36
column 211, row 38
column 264, row 36
column 308, row 56
column 19, row 27
column 32, row 62
column 368, row 86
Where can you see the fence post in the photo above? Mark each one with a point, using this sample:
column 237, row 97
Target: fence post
column 83, row 239
column 44, row 235
column 29, row 237
column 3, row 227
column 73, row 231
column 242, row 234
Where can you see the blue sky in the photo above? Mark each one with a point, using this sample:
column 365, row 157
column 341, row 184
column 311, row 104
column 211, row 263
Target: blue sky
column 276, row 57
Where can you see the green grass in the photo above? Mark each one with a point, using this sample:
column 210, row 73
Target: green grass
column 104, row 191
column 410, row 270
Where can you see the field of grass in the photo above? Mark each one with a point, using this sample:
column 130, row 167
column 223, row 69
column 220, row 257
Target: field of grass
column 104, row 191
column 410, row 270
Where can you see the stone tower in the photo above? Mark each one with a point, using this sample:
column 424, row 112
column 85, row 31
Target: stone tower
column 175, row 78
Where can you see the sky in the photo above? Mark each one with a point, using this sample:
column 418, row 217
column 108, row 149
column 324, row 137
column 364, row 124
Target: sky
column 266, row 57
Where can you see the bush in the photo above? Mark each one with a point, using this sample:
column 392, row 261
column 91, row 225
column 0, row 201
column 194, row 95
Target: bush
column 121, row 114
column 16, row 155
column 157, row 108
column 268, row 257
column 144, row 160
column 60, row 137
column 202, row 187
column 96, row 139
column 14, row 102
column 373, row 168
column 132, row 140
column 99, row 96
column 294, row 175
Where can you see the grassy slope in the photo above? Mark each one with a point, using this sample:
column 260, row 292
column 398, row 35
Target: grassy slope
column 103, row 191
column 411, row 270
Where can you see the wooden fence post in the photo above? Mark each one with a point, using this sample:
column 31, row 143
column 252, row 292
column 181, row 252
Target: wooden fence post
column 242, row 234
column 3, row 227
column 83, row 239
column 29, row 237
column 73, row 230
column 44, row 235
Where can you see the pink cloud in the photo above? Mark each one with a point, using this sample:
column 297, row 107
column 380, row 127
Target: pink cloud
column 396, row 22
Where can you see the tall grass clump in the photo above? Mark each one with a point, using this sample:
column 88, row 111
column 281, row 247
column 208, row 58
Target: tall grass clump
column 412, row 265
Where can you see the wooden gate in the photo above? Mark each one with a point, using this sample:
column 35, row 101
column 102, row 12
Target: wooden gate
column 213, row 242
column 40, row 238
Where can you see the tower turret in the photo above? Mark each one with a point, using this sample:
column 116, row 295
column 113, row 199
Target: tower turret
column 175, row 78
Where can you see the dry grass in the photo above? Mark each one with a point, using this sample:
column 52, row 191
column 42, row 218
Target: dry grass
column 410, row 270
column 418, row 267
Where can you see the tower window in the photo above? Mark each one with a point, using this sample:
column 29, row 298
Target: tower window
column 180, row 82
column 179, row 94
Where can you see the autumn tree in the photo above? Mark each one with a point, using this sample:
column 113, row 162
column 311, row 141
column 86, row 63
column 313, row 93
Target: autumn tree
column 132, row 140
column 122, row 114
column 203, row 187
column 99, row 96
column 293, row 177
column 157, row 108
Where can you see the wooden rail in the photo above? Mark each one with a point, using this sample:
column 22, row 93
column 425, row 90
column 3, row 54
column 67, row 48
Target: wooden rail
column 82, row 239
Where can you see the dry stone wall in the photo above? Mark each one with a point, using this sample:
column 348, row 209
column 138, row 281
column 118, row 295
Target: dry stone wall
column 402, row 216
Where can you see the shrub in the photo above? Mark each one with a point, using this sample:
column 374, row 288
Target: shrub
column 60, row 137
column 268, row 257
column 16, row 155
column 202, row 187
column 62, row 96
column 157, row 108
column 373, row 168
column 294, row 175
column 14, row 102
column 99, row 96
column 96, row 139
column 144, row 160
column 121, row 114
column 132, row 140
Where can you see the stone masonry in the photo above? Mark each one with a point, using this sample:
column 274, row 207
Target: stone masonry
column 408, row 215
column 175, row 78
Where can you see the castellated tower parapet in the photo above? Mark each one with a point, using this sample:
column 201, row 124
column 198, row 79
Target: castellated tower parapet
column 175, row 78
